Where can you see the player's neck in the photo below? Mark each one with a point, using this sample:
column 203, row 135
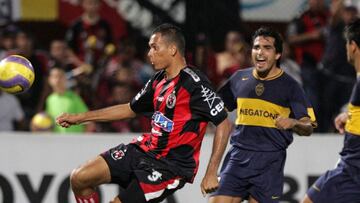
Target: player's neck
column 273, row 73
column 173, row 70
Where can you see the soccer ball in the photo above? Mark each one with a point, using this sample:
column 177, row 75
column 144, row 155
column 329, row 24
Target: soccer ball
column 41, row 122
column 16, row 74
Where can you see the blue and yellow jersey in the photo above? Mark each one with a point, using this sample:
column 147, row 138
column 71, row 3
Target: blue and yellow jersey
column 258, row 103
column 351, row 150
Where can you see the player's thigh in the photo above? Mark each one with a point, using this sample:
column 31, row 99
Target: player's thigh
column 92, row 173
column 337, row 185
column 224, row 199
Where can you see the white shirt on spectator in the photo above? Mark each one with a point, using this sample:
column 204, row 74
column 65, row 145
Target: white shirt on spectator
column 10, row 111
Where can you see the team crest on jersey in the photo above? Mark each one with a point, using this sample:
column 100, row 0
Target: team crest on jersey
column 171, row 100
column 117, row 154
column 259, row 89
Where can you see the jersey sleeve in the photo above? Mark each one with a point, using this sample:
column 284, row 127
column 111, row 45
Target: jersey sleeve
column 227, row 95
column 300, row 104
column 206, row 102
column 142, row 103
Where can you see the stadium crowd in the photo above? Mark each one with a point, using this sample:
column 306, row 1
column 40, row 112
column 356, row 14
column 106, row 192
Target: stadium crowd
column 89, row 69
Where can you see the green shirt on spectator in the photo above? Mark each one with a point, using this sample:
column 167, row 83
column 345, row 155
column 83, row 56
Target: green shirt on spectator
column 68, row 102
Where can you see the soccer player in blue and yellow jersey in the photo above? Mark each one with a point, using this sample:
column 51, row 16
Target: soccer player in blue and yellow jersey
column 342, row 184
column 181, row 102
column 270, row 106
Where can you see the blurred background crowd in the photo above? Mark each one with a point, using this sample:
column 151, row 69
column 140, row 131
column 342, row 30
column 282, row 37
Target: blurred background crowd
column 89, row 54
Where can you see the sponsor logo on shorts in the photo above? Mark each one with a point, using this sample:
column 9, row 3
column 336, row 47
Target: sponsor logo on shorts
column 275, row 197
column 117, row 154
column 156, row 175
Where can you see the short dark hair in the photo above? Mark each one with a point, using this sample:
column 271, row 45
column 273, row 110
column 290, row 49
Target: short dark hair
column 173, row 34
column 352, row 32
column 278, row 40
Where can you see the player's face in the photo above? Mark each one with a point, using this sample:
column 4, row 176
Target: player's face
column 263, row 54
column 160, row 52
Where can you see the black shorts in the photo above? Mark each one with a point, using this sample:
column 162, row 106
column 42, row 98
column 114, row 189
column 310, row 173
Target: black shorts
column 144, row 178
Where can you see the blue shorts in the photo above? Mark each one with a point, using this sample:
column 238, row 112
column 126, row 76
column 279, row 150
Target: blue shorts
column 259, row 174
column 337, row 185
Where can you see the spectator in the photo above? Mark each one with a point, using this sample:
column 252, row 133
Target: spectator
column 32, row 100
column 305, row 34
column 233, row 57
column 90, row 33
column 120, row 93
column 64, row 100
column 203, row 57
column 338, row 73
column 11, row 113
column 87, row 38
column 61, row 56
column 7, row 40
column 289, row 65
column 42, row 122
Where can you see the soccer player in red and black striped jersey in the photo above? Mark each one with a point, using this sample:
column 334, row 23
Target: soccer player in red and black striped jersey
column 181, row 102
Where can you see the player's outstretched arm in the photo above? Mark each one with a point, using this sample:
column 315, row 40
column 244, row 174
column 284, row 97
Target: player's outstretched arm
column 302, row 127
column 117, row 112
column 210, row 182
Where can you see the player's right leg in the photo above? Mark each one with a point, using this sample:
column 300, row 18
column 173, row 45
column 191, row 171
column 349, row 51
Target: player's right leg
column 87, row 177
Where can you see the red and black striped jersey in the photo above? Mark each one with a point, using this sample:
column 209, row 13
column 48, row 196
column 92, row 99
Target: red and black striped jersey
column 180, row 109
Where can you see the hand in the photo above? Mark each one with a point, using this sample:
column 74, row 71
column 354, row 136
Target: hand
column 316, row 34
column 66, row 120
column 340, row 121
column 284, row 123
column 209, row 184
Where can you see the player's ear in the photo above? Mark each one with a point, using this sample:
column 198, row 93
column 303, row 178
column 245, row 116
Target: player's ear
column 173, row 49
column 277, row 56
column 353, row 46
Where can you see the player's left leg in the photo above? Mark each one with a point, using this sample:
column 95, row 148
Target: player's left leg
column 87, row 177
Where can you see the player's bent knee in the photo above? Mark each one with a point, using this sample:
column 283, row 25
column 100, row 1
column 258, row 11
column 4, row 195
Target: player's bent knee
column 78, row 179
